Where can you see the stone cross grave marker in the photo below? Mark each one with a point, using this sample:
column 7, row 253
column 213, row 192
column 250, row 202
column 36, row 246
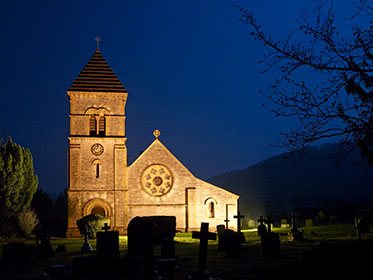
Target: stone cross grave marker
column 106, row 227
column 238, row 217
column 261, row 227
column 203, row 235
column 86, row 248
column 294, row 234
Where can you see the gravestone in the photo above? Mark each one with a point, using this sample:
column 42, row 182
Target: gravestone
column 164, row 227
column 270, row 241
column 270, row 244
column 230, row 243
column 140, row 242
column 107, row 243
column 309, row 223
column 251, row 224
column 220, row 229
column 203, row 235
column 261, row 227
column 285, row 223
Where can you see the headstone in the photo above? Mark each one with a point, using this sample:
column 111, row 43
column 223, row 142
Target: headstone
column 140, row 242
column 261, row 227
column 309, row 223
column 270, row 243
column 164, row 227
column 285, row 223
column 230, row 243
column 15, row 251
column 107, row 243
column 220, row 229
column 203, row 235
column 251, row 224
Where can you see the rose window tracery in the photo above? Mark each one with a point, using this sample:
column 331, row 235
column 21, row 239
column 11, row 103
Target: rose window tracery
column 157, row 180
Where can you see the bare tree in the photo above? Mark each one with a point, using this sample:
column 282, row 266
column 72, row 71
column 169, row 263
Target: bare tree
column 340, row 57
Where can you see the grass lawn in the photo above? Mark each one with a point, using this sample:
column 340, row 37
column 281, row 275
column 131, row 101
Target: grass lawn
column 328, row 252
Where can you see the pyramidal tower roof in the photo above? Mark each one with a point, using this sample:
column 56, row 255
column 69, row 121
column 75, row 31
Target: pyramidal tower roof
column 97, row 76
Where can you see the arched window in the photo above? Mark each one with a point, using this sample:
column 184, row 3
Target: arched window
column 101, row 126
column 210, row 204
column 97, row 170
column 211, row 209
column 97, row 167
column 92, row 125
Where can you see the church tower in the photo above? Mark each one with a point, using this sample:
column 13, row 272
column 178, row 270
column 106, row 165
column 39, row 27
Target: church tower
column 97, row 154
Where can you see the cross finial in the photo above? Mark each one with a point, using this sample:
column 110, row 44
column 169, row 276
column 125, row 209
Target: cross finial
column 156, row 133
column 98, row 39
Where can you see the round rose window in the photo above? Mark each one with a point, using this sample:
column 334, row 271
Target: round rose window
column 157, row 180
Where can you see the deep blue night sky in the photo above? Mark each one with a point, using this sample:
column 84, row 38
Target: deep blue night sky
column 188, row 67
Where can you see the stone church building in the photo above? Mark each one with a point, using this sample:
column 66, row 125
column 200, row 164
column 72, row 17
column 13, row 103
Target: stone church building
column 101, row 182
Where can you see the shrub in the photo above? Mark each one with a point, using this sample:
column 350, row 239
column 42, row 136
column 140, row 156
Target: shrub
column 27, row 221
column 94, row 222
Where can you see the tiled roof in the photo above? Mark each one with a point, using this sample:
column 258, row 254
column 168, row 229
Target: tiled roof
column 97, row 76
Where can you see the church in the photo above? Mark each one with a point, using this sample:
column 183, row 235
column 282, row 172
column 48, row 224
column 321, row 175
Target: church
column 155, row 184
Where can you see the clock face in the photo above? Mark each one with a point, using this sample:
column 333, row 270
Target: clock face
column 97, row 149
column 157, row 180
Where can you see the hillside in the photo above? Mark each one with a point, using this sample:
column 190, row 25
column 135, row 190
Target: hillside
column 276, row 186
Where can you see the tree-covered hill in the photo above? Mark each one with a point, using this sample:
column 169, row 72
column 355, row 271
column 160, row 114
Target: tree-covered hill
column 276, row 185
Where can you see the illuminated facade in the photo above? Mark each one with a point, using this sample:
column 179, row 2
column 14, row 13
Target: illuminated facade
column 99, row 180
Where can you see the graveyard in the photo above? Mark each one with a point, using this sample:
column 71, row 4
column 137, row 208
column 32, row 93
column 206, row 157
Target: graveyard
column 329, row 251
